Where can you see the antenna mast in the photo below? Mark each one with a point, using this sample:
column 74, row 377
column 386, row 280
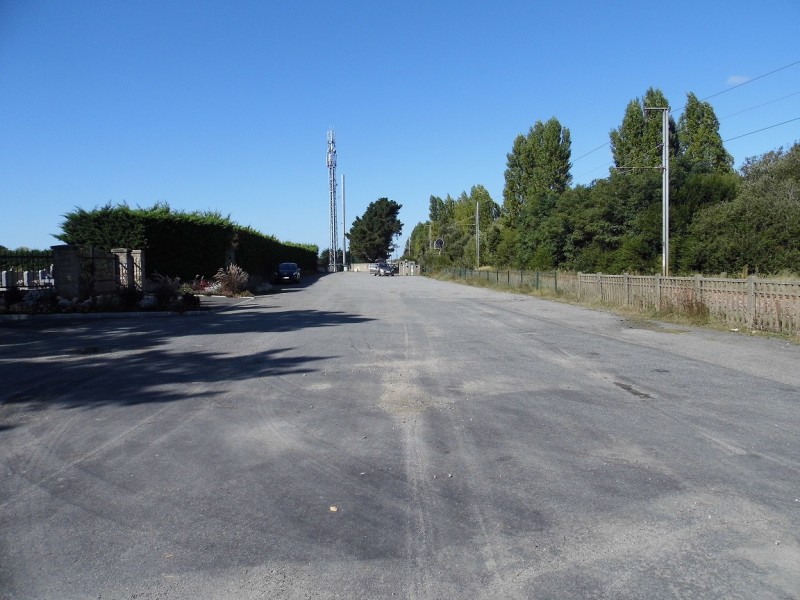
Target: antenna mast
column 344, row 230
column 333, row 250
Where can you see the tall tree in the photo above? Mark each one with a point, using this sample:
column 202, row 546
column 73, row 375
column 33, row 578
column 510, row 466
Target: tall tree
column 699, row 139
column 435, row 208
column 465, row 222
column 419, row 242
column 537, row 165
column 489, row 209
column 636, row 144
column 372, row 235
column 517, row 177
column 552, row 150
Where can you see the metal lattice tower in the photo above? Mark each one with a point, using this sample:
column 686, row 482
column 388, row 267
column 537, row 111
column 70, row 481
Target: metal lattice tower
column 334, row 249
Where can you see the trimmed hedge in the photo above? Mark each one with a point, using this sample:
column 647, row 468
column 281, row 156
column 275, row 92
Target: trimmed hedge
column 181, row 244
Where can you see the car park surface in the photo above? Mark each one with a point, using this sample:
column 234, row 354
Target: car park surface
column 415, row 438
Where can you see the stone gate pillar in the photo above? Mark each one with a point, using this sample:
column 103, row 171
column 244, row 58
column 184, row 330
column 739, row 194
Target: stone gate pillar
column 125, row 266
column 137, row 260
column 66, row 271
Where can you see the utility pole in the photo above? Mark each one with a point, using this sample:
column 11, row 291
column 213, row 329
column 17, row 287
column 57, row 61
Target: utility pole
column 477, row 234
column 333, row 250
column 664, row 188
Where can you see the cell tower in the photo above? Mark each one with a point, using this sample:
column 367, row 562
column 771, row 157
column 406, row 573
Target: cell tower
column 333, row 250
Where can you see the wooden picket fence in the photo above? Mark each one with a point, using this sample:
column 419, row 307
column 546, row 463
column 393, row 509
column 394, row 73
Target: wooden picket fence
column 751, row 303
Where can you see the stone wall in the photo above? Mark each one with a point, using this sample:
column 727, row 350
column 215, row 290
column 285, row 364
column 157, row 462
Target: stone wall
column 78, row 274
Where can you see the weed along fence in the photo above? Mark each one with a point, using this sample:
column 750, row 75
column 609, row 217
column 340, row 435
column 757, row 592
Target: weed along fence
column 753, row 303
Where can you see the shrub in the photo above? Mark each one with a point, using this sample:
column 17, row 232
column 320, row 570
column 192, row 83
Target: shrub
column 163, row 288
column 129, row 298
column 190, row 301
column 232, row 280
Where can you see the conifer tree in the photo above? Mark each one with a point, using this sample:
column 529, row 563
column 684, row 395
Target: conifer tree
column 636, row 144
column 699, row 139
column 538, row 164
column 371, row 236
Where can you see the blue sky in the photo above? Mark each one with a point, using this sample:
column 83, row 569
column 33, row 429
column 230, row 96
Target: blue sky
column 225, row 106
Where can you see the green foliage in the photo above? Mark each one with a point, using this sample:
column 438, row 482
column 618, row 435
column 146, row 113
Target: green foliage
column 456, row 225
column 165, row 293
column 690, row 193
column 436, row 209
column 719, row 220
column 164, row 288
column 419, row 243
column 371, row 236
column 636, row 144
column 25, row 259
column 325, row 258
column 698, row 135
column 260, row 255
column 504, row 246
column 184, row 244
column 757, row 231
column 533, row 248
column 106, row 227
column 537, row 165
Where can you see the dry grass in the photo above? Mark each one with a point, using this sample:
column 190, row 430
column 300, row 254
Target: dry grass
column 685, row 310
column 232, row 280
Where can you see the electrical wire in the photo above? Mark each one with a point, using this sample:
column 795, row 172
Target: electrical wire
column 719, row 94
column 591, row 151
column 762, row 129
column 758, row 106
column 738, row 85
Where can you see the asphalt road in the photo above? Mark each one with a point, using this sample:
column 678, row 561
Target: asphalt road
column 364, row 437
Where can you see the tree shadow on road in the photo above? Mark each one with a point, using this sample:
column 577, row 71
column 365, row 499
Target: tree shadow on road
column 122, row 361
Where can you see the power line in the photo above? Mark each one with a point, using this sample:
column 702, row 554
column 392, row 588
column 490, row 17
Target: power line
column 738, row 85
column 762, row 129
column 723, row 141
column 758, row 106
column 591, row 151
column 719, row 94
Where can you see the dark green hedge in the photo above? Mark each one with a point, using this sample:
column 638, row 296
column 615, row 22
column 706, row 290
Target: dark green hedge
column 181, row 244
column 259, row 254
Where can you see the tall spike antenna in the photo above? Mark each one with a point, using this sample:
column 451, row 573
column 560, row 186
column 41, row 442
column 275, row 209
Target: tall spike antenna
column 344, row 230
column 333, row 250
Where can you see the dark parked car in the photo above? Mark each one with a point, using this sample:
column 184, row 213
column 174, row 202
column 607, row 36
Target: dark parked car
column 287, row 271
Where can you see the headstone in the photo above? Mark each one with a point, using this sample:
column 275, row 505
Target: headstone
column 8, row 279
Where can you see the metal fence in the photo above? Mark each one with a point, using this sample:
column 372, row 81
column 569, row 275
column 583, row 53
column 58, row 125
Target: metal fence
column 98, row 271
column 26, row 269
column 73, row 271
column 754, row 303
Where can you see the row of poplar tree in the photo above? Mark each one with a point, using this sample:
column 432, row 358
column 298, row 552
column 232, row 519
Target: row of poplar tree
column 721, row 220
